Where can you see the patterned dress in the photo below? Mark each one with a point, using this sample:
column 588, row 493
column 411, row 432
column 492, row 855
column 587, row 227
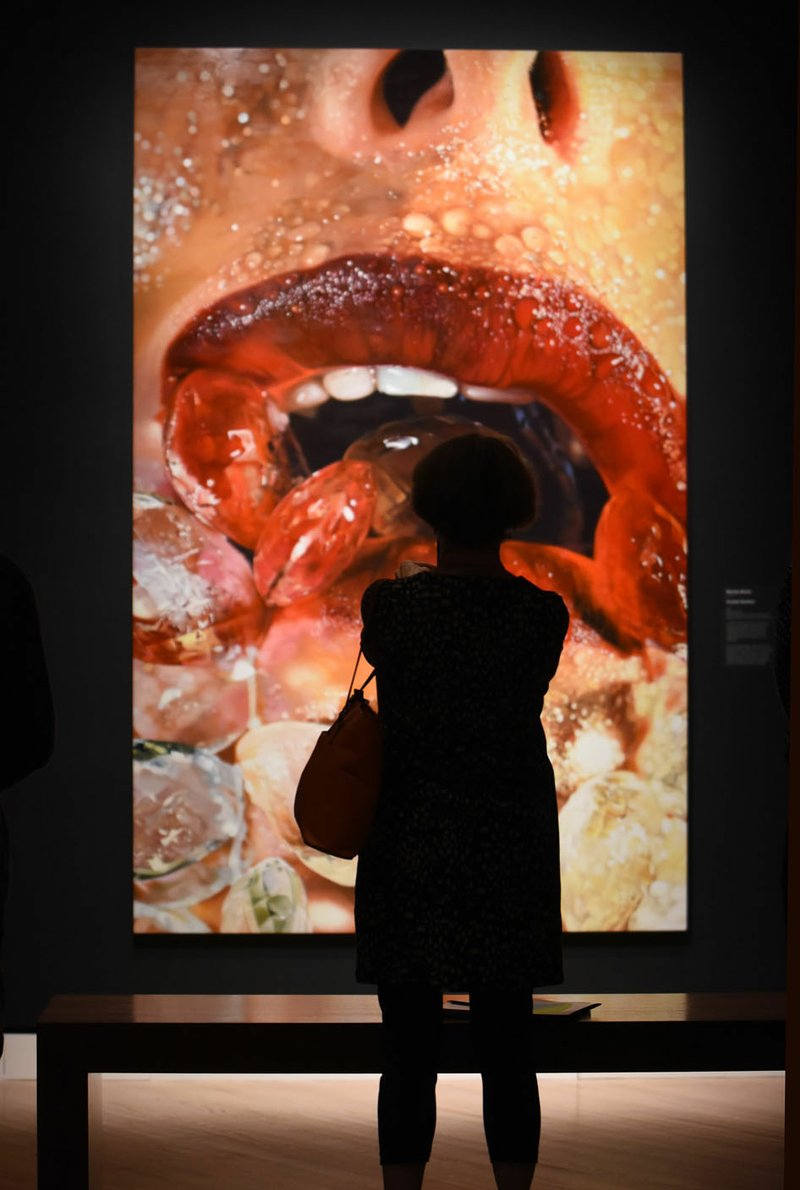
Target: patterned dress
column 458, row 886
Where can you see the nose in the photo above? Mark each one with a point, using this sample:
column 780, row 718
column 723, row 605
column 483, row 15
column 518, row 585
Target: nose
column 370, row 103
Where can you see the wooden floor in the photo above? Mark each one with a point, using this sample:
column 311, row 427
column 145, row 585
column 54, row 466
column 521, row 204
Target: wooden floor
column 307, row 1133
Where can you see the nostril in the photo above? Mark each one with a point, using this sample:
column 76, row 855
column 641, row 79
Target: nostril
column 410, row 75
column 555, row 100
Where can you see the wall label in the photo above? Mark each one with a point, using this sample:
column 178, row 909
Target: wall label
column 749, row 615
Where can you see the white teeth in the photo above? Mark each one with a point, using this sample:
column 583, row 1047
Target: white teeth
column 308, row 395
column 354, row 384
column 349, row 384
column 508, row 396
column 408, row 382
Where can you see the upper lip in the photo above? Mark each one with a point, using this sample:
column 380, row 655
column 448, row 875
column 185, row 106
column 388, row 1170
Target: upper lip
column 480, row 326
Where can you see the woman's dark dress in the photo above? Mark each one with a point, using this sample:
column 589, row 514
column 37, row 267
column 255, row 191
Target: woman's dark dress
column 459, row 886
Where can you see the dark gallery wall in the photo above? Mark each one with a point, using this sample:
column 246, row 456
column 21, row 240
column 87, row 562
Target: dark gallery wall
column 66, row 485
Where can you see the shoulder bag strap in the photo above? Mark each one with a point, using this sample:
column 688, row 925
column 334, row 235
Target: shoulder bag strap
column 363, row 685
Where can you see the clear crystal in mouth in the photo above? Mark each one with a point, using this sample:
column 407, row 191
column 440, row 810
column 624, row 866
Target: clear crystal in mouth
column 571, row 493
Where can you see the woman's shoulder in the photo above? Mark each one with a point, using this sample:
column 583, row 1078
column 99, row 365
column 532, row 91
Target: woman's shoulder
column 373, row 593
column 410, row 580
column 547, row 597
column 547, row 601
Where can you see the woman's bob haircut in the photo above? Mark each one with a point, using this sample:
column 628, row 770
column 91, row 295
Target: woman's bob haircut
column 473, row 489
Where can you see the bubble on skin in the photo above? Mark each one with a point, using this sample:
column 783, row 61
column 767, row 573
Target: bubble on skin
column 305, row 231
column 456, row 221
column 432, row 244
column 418, row 225
column 533, row 238
column 509, row 246
column 316, row 255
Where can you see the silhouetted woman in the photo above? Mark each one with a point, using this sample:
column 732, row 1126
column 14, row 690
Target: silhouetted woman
column 458, row 888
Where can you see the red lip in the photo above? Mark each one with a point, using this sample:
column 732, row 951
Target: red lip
column 481, row 327
column 484, row 327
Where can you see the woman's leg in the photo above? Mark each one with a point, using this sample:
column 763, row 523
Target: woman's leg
column 510, row 1175
column 502, row 1029
column 411, row 1034
column 403, row 1177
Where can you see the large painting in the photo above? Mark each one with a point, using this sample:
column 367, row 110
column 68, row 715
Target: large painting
column 341, row 258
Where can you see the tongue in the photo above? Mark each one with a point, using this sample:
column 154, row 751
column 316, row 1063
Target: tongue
column 622, row 593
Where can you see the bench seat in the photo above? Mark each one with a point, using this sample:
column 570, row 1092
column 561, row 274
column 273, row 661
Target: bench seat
column 81, row 1037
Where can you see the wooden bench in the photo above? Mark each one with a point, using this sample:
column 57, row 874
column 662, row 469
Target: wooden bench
column 81, row 1037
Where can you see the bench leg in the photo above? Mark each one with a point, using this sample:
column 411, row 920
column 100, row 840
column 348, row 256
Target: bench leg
column 69, row 1112
column 95, row 1129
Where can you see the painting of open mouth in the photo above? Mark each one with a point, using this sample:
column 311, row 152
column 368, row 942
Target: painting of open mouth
column 341, row 259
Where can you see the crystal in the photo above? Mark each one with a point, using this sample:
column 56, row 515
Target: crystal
column 188, row 823
column 330, row 907
column 591, row 721
column 262, row 841
column 268, row 899
column 315, row 532
column 306, row 659
column 207, row 705
column 610, row 852
column 193, row 592
column 272, row 758
column 150, row 919
column 394, row 450
column 230, row 452
column 640, row 550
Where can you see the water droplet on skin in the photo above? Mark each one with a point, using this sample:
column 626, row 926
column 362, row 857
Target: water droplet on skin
column 316, row 254
column 456, row 221
column 306, row 231
column 508, row 246
column 418, row 225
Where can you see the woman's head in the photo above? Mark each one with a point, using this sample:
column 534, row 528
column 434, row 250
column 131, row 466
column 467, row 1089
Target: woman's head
column 472, row 489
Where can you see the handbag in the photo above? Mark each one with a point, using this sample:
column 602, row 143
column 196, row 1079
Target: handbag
column 337, row 793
